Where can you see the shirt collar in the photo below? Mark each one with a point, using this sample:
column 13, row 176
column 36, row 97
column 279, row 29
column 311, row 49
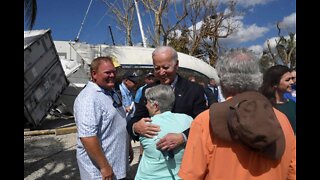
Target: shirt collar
column 124, row 88
column 173, row 84
column 98, row 88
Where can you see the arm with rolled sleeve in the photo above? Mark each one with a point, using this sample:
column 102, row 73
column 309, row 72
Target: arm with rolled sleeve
column 94, row 151
column 87, row 116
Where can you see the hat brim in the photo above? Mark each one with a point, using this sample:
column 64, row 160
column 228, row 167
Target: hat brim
column 276, row 149
column 133, row 79
column 149, row 75
column 220, row 113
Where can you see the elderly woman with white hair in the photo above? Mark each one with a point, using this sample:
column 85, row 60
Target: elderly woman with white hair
column 157, row 164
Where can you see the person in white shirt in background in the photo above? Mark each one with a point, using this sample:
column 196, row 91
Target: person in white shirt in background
column 127, row 89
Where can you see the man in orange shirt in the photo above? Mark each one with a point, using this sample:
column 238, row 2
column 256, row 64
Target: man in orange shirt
column 242, row 138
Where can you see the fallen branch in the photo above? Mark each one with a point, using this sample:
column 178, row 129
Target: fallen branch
column 58, row 131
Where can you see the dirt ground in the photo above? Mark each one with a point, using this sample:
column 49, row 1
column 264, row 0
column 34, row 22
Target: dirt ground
column 53, row 156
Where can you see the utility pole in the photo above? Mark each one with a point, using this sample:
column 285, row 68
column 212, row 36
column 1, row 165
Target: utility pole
column 77, row 38
column 111, row 35
column 140, row 24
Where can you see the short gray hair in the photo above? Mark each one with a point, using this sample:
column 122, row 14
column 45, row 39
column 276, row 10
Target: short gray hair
column 239, row 71
column 163, row 95
column 166, row 49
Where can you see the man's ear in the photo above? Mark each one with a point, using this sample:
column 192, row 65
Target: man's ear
column 176, row 66
column 93, row 75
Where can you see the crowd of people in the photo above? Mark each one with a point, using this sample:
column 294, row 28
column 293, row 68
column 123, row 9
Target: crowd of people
column 241, row 126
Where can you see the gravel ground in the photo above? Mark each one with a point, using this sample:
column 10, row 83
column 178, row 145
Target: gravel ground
column 54, row 156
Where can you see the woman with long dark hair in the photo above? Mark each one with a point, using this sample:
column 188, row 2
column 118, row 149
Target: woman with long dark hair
column 278, row 80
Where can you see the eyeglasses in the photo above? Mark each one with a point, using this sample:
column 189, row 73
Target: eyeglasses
column 115, row 98
column 145, row 101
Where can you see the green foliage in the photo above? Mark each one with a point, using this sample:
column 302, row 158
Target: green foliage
column 179, row 43
column 266, row 61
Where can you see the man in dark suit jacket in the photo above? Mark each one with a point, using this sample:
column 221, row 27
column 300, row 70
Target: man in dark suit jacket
column 189, row 100
column 214, row 88
column 211, row 98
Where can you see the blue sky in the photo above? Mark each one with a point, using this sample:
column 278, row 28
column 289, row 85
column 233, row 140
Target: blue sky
column 64, row 18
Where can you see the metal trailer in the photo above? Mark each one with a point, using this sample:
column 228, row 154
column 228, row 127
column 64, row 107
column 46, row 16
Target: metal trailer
column 44, row 77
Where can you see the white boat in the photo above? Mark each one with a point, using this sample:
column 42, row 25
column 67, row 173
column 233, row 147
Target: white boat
column 76, row 57
column 74, row 54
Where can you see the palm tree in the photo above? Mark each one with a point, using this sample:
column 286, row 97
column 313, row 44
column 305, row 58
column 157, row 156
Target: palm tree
column 30, row 12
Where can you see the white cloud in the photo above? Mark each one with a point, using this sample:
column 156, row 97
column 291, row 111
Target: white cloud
column 257, row 49
column 246, row 33
column 178, row 32
column 243, row 33
column 198, row 25
column 289, row 23
column 248, row 3
column 273, row 42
